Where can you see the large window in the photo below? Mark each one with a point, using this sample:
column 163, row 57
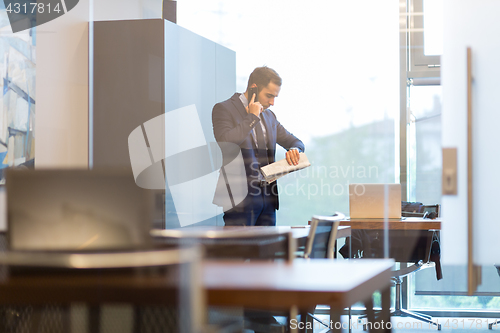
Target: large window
column 348, row 92
column 424, row 142
column 340, row 71
column 425, row 37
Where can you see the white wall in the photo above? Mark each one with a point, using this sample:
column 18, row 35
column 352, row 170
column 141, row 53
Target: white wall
column 62, row 78
column 61, row 127
column 475, row 24
column 126, row 9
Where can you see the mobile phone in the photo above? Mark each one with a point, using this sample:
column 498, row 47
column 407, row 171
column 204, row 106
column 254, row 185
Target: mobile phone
column 252, row 91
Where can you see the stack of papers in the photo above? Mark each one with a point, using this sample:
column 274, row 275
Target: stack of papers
column 281, row 168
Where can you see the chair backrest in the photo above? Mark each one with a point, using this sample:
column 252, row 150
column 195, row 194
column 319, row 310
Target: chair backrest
column 430, row 209
column 417, row 209
column 184, row 276
column 322, row 236
column 183, row 297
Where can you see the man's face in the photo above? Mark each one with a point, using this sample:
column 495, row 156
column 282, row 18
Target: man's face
column 267, row 95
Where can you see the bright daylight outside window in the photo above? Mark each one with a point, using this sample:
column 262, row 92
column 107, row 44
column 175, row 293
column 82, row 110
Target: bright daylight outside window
column 424, row 142
column 433, row 27
column 340, row 94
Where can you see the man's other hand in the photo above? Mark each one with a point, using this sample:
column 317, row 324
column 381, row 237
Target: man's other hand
column 254, row 107
column 292, row 156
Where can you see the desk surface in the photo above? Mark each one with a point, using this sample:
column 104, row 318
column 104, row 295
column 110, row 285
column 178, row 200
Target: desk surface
column 224, row 242
column 273, row 285
column 298, row 232
column 408, row 223
column 305, row 283
column 87, row 287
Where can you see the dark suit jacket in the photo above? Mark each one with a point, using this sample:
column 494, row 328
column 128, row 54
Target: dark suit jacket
column 231, row 123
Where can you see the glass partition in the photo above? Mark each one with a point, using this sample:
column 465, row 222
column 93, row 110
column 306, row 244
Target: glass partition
column 340, row 96
column 439, row 119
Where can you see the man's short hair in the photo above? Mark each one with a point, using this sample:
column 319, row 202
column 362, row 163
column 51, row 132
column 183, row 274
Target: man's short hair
column 261, row 76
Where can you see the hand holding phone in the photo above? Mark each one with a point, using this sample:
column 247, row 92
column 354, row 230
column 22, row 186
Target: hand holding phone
column 253, row 105
column 251, row 92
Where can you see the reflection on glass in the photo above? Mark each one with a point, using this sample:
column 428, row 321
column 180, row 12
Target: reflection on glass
column 433, row 27
column 425, row 291
column 450, row 293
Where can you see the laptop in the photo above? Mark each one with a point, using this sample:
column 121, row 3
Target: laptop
column 77, row 211
column 367, row 201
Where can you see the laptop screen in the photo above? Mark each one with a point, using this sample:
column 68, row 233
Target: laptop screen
column 368, row 201
column 76, row 210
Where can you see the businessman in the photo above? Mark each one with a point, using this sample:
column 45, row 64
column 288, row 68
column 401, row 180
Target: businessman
column 246, row 121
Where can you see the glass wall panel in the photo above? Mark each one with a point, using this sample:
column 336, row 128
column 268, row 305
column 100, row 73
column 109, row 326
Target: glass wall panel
column 448, row 297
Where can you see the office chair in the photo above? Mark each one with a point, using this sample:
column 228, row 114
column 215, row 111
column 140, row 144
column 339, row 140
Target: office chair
column 321, row 244
column 172, row 315
column 417, row 209
column 275, row 246
column 322, row 236
column 490, row 325
column 243, row 245
column 397, row 275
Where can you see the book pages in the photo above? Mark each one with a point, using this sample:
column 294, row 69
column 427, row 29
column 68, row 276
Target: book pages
column 281, row 168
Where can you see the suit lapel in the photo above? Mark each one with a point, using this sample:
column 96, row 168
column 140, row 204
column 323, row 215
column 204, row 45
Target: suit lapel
column 238, row 105
column 271, row 136
column 240, row 114
column 265, row 118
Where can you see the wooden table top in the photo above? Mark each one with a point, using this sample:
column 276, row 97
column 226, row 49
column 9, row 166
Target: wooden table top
column 270, row 285
column 298, row 232
column 304, row 283
column 94, row 287
column 407, row 223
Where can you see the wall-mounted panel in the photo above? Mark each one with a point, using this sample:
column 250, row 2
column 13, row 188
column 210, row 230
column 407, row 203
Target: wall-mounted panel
column 148, row 68
column 127, row 84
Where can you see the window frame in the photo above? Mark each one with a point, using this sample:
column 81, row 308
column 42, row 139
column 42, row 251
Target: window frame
column 419, row 64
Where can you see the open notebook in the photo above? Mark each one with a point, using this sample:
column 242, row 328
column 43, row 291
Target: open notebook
column 281, row 168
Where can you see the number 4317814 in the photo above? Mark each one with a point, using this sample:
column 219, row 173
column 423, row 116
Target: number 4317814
column 32, row 8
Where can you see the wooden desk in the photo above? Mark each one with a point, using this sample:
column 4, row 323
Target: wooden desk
column 85, row 287
column 40, row 291
column 303, row 284
column 264, row 285
column 407, row 223
column 215, row 239
column 299, row 233
column 410, row 239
